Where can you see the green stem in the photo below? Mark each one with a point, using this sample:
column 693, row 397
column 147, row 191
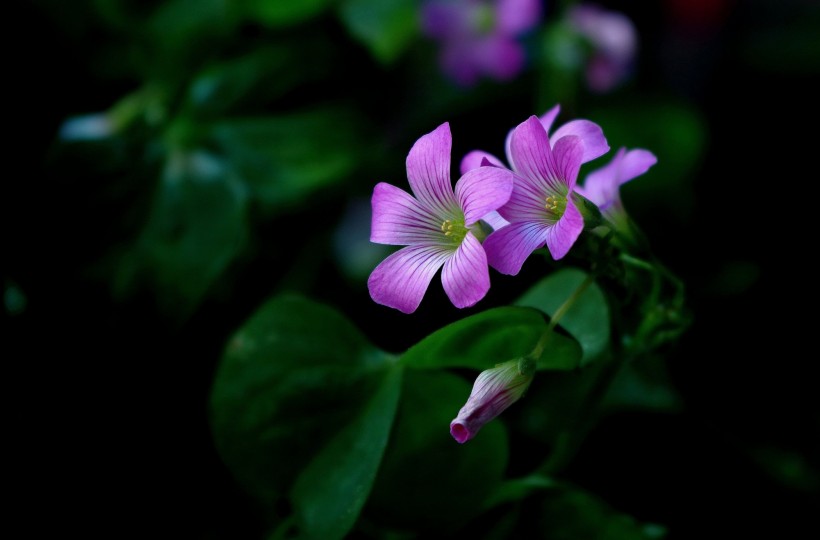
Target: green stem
column 538, row 350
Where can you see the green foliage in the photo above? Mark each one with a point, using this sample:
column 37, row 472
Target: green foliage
column 386, row 27
column 285, row 159
column 299, row 391
column 489, row 338
column 429, row 483
column 331, row 491
column 196, row 227
column 587, row 320
column 278, row 13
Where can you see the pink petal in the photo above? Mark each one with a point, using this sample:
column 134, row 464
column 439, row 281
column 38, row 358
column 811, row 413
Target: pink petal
column 527, row 201
column 498, row 56
column 517, row 16
column 508, row 248
column 566, row 160
column 399, row 219
column 530, row 152
column 401, row 280
column 428, row 170
column 635, row 163
column 474, row 159
column 494, row 220
column 562, row 235
column 549, row 117
column 483, row 190
column 465, row 276
column 591, row 135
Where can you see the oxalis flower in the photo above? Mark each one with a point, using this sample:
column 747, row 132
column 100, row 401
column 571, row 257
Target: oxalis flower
column 602, row 186
column 439, row 227
column 541, row 208
column 478, row 37
column 493, row 391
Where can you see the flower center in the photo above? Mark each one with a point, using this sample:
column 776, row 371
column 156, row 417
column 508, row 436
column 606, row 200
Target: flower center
column 556, row 205
column 483, row 19
column 455, row 231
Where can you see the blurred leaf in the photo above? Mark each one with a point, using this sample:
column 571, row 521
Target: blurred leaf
column 180, row 32
column 285, row 12
column 286, row 158
column 256, row 78
column 560, row 64
column 588, row 318
column 292, row 380
column 489, row 338
column 569, row 513
column 196, row 227
column 429, row 483
column 386, row 27
column 643, row 384
column 332, row 489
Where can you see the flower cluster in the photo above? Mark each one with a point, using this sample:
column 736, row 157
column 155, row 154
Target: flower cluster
column 497, row 215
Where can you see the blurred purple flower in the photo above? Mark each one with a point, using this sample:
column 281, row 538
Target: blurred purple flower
column 478, row 37
column 439, row 227
column 614, row 42
column 602, row 186
column 493, row 391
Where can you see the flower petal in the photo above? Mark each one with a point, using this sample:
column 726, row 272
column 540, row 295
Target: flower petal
column 399, row 219
column 499, row 56
column 517, row 16
column 509, row 247
column 483, row 190
column 428, row 170
column 530, row 152
column 548, row 117
column 527, row 201
column 494, row 220
column 635, row 163
column 401, row 280
column 566, row 160
column 591, row 135
column 474, row 159
column 465, row 277
column 562, row 235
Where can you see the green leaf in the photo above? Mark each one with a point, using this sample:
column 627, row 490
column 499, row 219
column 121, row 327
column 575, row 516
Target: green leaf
column 386, row 27
column 429, row 483
column 196, row 227
column 293, row 380
column 560, row 511
column 286, row 158
column 564, row 512
column 278, row 13
column 332, row 489
column 489, row 338
column 588, row 318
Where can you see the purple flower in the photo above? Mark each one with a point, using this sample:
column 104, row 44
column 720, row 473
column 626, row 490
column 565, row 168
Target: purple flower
column 602, row 186
column 540, row 210
column 439, row 227
column 478, row 36
column 614, row 41
column 590, row 133
column 493, row 391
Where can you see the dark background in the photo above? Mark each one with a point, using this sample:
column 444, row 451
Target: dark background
column 108, row 401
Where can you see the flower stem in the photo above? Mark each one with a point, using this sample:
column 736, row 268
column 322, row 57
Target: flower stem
column 538, row 350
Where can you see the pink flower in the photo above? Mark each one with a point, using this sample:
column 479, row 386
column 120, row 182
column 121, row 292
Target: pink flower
column 602, row 186
column 478, row 37
column 493, row 391
column 439, row 227
column 614, row 42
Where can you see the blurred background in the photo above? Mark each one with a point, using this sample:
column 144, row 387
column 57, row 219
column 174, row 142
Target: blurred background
column 174, row 164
